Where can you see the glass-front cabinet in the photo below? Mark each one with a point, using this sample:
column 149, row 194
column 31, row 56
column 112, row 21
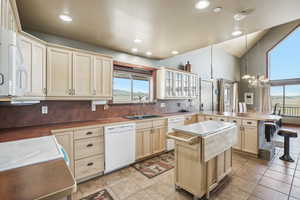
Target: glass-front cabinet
column 176, row 84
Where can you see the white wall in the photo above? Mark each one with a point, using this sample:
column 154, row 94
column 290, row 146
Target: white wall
column 225, row 65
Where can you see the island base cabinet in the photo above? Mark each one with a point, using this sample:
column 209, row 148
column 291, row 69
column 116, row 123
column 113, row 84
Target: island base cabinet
column 196, row 176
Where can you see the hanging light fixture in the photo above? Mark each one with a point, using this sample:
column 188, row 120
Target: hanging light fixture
column 211, row 64
column 255, row 81
column 202, row 4
column 246, row 76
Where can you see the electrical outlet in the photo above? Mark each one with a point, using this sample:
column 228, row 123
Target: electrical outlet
column 44, row 110
column 162, row 105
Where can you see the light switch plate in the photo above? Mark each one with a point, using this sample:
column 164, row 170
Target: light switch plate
column 44, row 110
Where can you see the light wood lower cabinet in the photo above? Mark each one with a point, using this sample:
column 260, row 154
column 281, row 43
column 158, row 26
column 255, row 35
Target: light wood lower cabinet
column 65, row 139
column 85, row 147
column 190, row 119
column 150, row 139
column 196, row 176
column 250, row 139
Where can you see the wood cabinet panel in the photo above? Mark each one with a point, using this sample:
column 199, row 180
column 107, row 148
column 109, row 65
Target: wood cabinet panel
column 238, row 123
column 103, row 73
column 65, row 139
column 87, row 133
column 34, row 55
column 59, row 72
column 250, row 140
column 82, row 74
column 89, row 166
column 88, row 147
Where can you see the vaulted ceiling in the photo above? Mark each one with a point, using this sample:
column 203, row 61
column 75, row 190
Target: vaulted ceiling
column 162, row 25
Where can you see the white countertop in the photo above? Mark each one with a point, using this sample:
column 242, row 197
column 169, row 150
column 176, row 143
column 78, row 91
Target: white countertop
column 28, row 151
column 204, row 128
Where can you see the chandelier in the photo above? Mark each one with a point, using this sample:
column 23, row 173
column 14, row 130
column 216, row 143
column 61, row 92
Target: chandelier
column 254, row 81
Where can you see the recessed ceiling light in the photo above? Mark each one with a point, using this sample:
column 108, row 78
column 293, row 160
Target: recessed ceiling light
column 174, row 52
column 65, row 18
column 148, row 53
column 202, row 4
column 137, row 41
column 237, row 32
column 134, row 50
column 217, row 9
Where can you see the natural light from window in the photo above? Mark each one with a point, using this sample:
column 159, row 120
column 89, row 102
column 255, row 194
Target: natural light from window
column 284, row 73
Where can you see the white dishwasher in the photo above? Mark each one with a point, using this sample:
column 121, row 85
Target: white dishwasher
column 119, row 146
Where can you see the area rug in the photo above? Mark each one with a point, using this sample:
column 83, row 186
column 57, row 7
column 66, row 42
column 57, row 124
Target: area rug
column 157, row 165
column 100, row 195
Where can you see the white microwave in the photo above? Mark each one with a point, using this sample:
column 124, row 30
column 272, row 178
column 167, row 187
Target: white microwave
column 13, row 73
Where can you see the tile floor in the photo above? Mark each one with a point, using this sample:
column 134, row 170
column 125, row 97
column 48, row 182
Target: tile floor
column 251, row 179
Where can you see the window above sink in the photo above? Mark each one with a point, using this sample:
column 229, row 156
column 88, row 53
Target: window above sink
column 130, row 87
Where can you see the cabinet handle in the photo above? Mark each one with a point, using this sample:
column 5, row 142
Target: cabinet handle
column 234, row 121
column 1, row 79
column 90, row 164
column 70, row 91
column 222, row 120
column 89, row 145
column 89, row 133
column 249, row 122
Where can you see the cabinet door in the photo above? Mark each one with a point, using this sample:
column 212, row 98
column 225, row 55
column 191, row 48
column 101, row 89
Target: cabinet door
column 102, row 77
column 59, row 72
column 250, row 140
column 158, row 139
column 65, row 139
column 147, row 143
column 38, row 70
column 35, row 63
column 26, row 49
column 82, row 74
column 4, row 13
column 139, row 149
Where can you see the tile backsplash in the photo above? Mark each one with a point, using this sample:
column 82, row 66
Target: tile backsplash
column 74, row 111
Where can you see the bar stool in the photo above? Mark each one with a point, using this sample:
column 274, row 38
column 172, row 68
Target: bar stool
column 270, row 129
column 287, row 134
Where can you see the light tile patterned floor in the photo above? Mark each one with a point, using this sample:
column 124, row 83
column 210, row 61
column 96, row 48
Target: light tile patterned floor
column 251, row 179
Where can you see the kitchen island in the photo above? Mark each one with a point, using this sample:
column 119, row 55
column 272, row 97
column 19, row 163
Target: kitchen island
column 203, row 155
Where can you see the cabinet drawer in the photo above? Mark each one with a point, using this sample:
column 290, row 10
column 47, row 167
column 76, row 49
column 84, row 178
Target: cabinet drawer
column 211, row 118
column 89, row 166
column 249, row 122
column 237, row 121
column 158, row 123
column 222, row 119
column 88, row 147
column 143, row 125
column 87, row 133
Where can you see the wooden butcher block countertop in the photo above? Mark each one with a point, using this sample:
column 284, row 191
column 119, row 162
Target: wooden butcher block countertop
column 44, row 181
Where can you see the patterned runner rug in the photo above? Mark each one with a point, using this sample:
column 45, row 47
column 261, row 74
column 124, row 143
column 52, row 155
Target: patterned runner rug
column 100, row 195
column 157, row 165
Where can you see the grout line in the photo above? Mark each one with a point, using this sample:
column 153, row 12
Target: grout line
column 294, row 176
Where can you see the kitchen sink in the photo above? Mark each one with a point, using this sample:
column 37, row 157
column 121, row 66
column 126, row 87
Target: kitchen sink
column 137, row 117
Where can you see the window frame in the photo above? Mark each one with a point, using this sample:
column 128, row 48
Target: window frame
column 131, row 76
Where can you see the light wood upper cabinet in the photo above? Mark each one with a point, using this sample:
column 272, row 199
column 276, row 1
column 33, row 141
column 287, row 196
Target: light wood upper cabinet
column 176, row 84
column 82, row 74
column 34, row 54
column 59, row 72
column 8, row 19
column 102, row 77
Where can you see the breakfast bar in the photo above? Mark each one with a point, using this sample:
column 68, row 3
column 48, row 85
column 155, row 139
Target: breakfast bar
column 203, row 155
